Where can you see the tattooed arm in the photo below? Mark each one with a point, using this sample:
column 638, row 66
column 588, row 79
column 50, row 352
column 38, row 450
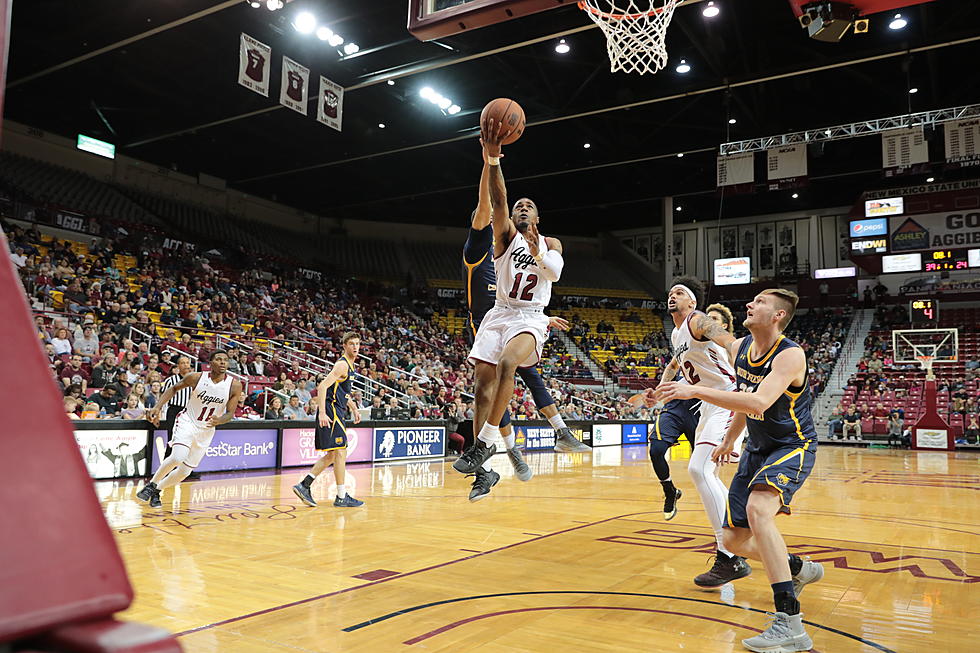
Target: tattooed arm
column 703, row 326
column 670, row 372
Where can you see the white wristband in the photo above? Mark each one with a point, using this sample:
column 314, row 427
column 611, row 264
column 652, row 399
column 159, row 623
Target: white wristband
column 493, row 160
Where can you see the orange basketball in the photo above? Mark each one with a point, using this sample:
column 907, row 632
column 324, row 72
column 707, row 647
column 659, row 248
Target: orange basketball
column 506, row 111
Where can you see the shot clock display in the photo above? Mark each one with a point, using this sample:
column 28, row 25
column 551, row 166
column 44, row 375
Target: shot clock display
column 924, row 311
column 947, row 259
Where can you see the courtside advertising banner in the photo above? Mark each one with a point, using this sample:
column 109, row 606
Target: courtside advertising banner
column 605, row 434
column 113, row 453
column 634, row 433
column 295, row 82
column 299, row 448
column 253, row 65
column 402, row 443
column 534, row 437
column 229, row 450
column 330, row 106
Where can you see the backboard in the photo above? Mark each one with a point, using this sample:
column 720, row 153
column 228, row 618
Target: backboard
column 925, row 347
column 433, row 19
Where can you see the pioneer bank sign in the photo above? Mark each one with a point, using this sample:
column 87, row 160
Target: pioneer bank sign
column 401, row 443
column 935, row 231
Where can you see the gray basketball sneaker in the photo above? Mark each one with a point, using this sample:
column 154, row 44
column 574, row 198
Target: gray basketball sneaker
column 568, row 443
column 521, row 470
column 483, row 481
column 810, row 573
column 785, row 634
column 304, row 494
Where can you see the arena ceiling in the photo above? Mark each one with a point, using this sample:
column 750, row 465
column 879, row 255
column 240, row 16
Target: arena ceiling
column 156, row 97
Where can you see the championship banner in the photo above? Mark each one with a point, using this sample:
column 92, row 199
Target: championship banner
column 901, row 149
column 330, row 105
column 736, row 173
column 253, row 65
column 787, row 167
column 963, row 142
column 295, row 81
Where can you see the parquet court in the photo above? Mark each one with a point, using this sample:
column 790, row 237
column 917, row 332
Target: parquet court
column 578, row 559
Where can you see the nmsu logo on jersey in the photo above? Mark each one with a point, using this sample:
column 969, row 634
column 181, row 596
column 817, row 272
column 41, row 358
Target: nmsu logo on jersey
column 399, row 443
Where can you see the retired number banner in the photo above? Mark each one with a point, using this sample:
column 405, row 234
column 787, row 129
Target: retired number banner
column 253, row 65
column 330, row 105
column 295, row 81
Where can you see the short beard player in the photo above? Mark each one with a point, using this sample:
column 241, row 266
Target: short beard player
column 700, row 347
column 479, row 277
column 676, row 418
column 513, row 332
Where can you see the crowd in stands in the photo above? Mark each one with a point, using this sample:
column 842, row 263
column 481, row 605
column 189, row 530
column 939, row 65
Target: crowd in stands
column 96, row 304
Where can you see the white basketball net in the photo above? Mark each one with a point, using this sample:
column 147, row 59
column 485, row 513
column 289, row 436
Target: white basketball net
column 635, row 31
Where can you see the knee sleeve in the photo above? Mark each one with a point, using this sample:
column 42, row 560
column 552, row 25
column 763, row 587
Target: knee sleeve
column 532, row 379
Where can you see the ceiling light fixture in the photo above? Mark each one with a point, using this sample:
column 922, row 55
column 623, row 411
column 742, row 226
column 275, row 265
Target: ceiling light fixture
column 683, row 67
column 351, row 48
column 898, row 22
column 454, row 109
column 796, row 195
column 680, row 155
column 272, row 5
column 255, row 4
column 929, row 180
column 732, row 121
column 586, row 145
column 678, row 208
column 323, row 33
column 562, row 47
column 913, row 91
column 711, row 10
column 381, row 125
column 391, row 82
column 305, row 22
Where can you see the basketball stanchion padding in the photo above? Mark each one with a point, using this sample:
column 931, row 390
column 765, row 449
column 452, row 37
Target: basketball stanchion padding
column 60, row 561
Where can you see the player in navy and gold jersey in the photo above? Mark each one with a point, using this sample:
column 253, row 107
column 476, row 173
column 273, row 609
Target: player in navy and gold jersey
column 479, row 279
column 334, row 406
column 774, row 401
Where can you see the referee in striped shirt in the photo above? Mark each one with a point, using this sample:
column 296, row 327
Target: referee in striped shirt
column 179, row 400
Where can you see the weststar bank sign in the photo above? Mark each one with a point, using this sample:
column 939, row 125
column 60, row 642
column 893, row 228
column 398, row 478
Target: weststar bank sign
column 935, row 231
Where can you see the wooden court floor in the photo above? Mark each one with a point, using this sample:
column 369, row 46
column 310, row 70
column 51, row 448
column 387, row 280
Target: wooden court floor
column 578, row 559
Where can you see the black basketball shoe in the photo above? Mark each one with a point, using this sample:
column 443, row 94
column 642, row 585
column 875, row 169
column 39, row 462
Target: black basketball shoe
column 723, row 571
column 474, row 457
column 155, row 499
column 146, row 492
column 482, row 483
column 670, row 502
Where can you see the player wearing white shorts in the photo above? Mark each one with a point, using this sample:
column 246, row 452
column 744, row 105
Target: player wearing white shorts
column 213, row 401
column 700, row 346
column 513, row 332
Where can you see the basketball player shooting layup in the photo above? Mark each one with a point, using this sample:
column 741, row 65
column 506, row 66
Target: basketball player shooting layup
column 700, row 353
column 513, row 332
column 213, row 392
column 480, row 279
column 774, row 399
column 333, row 406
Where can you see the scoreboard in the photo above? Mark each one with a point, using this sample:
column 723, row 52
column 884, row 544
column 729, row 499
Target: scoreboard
column 924, row 311
column 946, row 259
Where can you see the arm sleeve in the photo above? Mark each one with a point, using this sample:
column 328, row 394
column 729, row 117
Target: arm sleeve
column 478, row 244
column 551, row 265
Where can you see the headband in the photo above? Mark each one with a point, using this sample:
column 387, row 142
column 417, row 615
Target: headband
column 688, row 291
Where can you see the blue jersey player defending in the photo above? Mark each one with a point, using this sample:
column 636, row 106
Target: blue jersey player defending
column 774, row 400
column 479, row 277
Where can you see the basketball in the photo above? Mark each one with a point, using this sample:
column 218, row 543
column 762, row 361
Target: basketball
column 506, row 111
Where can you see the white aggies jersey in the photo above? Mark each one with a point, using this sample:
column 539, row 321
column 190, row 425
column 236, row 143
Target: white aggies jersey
column 207, row 399
column 702, row 362
column 520, row 283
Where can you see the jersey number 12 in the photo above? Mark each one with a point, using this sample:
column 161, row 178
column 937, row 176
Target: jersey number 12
column 527, row 294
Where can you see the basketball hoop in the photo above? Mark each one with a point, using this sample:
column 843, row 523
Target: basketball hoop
column 635, row 31
column 926, row 361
